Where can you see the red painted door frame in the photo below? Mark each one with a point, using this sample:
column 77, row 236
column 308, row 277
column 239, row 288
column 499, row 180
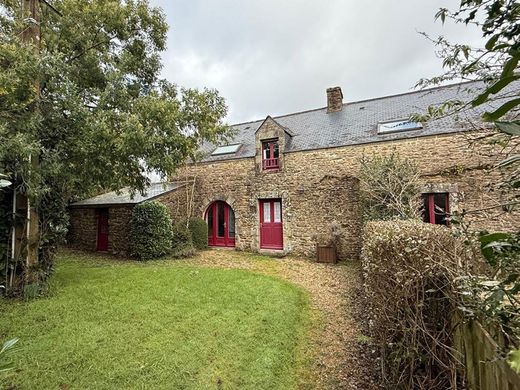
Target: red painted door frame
column 430, row 198
column 102, row 230
column 220, row 216
column 271, row 224
column 431, row 208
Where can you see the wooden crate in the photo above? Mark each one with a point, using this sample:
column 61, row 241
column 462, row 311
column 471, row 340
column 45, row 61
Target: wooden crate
column 326, row 254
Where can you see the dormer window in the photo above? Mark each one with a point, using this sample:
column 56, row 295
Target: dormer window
column 270, row 154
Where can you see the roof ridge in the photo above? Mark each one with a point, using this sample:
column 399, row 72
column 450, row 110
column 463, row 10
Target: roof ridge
column 362, row 101
column 412, row 92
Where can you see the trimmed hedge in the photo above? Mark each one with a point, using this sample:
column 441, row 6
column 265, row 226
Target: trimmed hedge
column 150, row 231
column 182, row 243
column 410, row 269
column 199, row 232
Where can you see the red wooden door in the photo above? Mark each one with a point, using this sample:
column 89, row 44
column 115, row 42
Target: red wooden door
column 221, row 224
column 102, row 235
column 271, row 227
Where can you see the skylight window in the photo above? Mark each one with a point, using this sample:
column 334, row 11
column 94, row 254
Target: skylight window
column 226, row 149
column 398, row 125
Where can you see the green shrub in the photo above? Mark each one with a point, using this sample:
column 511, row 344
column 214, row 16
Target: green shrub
column 182, row 243
column 199, row 232
column 150, row 231
column 410, row 270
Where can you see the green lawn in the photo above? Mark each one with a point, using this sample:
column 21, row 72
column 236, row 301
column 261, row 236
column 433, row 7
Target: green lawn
column 110, row 324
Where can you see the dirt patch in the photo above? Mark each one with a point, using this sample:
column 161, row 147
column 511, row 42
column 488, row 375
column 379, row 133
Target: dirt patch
column 341, row 352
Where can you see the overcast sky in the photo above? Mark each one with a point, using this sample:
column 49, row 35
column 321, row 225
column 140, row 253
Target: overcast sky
column 270, row 57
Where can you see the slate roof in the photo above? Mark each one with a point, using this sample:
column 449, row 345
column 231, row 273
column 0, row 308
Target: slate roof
column 357, row 122
column 125, row 198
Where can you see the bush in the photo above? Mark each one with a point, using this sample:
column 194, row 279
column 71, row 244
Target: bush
column 150, row 231
column 199, row 232
column 410, row 269
column 390, row 187
column 182, row 242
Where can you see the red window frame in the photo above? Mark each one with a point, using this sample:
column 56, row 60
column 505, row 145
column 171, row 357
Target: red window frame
column 271, row 162
column 431, row 208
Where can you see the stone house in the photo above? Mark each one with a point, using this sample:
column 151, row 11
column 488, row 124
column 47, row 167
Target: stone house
column 282, row 181
column 102, row 223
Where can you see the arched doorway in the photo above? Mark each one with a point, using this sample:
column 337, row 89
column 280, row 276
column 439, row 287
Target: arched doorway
column 220, row 218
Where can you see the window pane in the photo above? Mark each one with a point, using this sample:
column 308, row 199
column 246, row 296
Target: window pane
column 227, row 149
column 440, row 208
column 399, row 125
column 275, row 150
column 267, row 212
column 231, row 230
column 277, row 212
column 210, row 221
column 220, row 219
column 266, row 150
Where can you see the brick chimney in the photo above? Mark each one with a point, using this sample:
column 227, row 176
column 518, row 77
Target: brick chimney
column 334, row 99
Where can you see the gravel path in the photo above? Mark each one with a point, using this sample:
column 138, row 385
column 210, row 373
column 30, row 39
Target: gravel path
column 340, row 352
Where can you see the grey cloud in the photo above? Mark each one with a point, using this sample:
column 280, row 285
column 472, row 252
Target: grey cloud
column 275, row 57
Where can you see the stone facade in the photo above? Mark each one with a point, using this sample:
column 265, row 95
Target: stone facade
column 319, row 188
column 119, row 229
column 83, row 229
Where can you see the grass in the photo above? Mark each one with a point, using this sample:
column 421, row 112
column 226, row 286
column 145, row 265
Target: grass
column 111, row 324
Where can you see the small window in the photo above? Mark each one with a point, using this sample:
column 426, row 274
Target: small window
column 227, row 149
column 436, row 208
column 267, row 212
column 277, row 212
column 270, row 155
column 398, row 125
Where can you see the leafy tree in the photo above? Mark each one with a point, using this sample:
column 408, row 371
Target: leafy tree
column 496, row 66
column 92, row 107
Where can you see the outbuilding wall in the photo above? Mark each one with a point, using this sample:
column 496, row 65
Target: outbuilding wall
column 82, row 232
column 84, row 224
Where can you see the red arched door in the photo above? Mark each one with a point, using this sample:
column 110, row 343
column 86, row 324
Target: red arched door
column 221, row 224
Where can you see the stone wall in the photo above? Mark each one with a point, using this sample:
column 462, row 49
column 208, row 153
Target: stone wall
column 178, row 201
column 83, row 229
column 319, row 188
column 84, row 224
column 119, row 229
